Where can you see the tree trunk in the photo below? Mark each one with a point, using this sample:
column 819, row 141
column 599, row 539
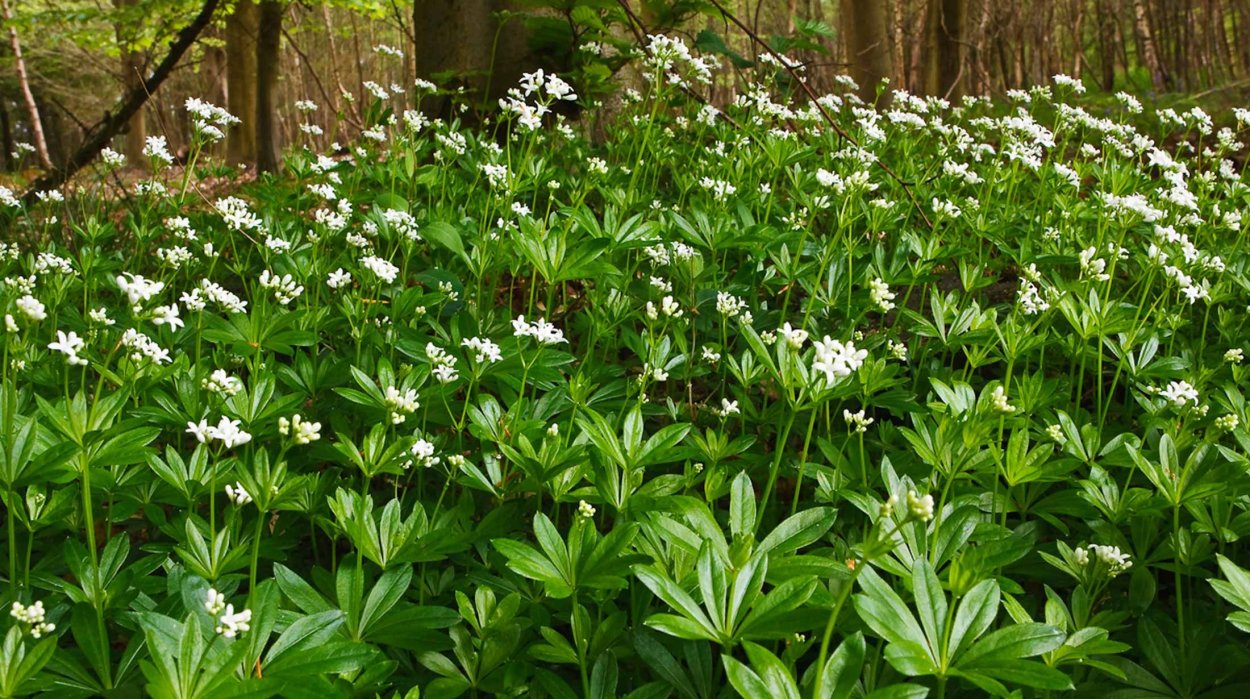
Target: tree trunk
column 1145, row 39
column 32, row 109
column 241, row 82
column 6, row 135
column 132, row 65
column 465, row 33
column 944, row 40
column 268, row 150
column 867, row 44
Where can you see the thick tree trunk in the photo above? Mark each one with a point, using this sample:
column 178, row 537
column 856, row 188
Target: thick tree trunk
column 485, row 59
column 241, row 82
column 944, row 40
column 268, row 150
column 868, row 48
column 32, row 109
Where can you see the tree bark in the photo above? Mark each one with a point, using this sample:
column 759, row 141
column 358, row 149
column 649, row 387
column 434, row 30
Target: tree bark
column 106, row 129
column 268, row 150
column 868, row 48
column 483, row 58
column 1145, row 38
column 241, row 28
column 32, row 109
column 945, row 36
column 132, row 64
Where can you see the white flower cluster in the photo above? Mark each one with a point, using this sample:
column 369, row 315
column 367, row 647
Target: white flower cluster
column 229, row 622
column 157, row 149
column 483, row 349
column 209, row 121
column 920, row 507
column 1110, row 556
column 222, row 382
column 401, row 403
column 837, row 360
column 585, row 510
column 225, row 431
column 858, row 421
column 542, row 331
column 32, row 308
column 422, row 452
column 142, row 346
column 382, row 269
column 33, row 616
column 237, row 215
column 237, row 494
column 1180, row 394
column 881, row 295
column 69, row 345
column 998, row 400
column 285, row 289
column 668, row 306
column 531, row 102
column 300, row 430
column 138, row 289
column 444, row 364
column 226, row 300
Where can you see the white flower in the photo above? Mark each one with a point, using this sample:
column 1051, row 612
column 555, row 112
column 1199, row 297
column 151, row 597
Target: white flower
column 167, row 315
column 1179, row 393
column 31, row 308
column 794, row 336
column 237, row 494
column 222, row 382
column 837, row 360
column 382, row 269
column 998, row 399
column 423, row 453
column 230, row 624
column 585, row 510
column 484, row 350
column 228, row 432
column 338, row 279
column 920, row 507
column 137, row 288
column 1234, row 356
column 157, row 149
column 727, row 408
column 400, row 404
column 214, row 602
column 141, row 346
column 69, row 345
column 301, row 430
column 285, row 289
column 32, row 616
column 201, row 430
column 857, row 420
column 881, row 295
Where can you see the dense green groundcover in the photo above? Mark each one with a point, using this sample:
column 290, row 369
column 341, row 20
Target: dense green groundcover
column 719, row 405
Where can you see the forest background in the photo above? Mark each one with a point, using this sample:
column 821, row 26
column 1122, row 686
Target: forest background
column 79, row 58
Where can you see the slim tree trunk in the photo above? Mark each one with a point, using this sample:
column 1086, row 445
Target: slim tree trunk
column 267, row 54
column 1145, row 38
column 132, row 65
column 868, row 46
column 32, row 109
column 241, row 81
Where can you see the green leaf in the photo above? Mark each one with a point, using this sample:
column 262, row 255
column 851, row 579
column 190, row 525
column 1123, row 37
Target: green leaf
column 447, row 236
column 742, row 506
column 1012, row 642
